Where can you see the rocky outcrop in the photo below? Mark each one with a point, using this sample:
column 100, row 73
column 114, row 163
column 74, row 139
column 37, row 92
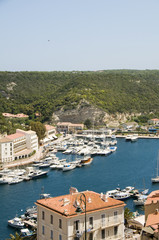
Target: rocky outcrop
column 87, row 111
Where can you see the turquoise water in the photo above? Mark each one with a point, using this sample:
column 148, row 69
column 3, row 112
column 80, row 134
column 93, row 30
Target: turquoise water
column 133, row 164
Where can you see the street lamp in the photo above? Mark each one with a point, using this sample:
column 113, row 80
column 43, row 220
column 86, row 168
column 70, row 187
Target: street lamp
column 80, row 209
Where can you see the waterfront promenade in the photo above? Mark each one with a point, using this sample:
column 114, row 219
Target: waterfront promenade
column 40, row 154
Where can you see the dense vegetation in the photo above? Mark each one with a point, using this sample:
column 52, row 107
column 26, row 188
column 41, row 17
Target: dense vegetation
column 111, row 90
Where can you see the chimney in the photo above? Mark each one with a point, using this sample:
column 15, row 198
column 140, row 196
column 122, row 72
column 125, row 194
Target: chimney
column 89, row 200
column 65, row 201
column 73, row 190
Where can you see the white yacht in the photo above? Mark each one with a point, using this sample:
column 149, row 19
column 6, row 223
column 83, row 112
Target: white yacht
column 16, row 222
column 140, row 201
column 68, row 167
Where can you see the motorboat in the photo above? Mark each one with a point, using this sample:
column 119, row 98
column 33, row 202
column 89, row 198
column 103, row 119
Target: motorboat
column 68, row 167
column 45, row 195
column 86, row 161
column 140, row 201
column 45, row 164
column 121, row 195
column 134, row 138
column 38, row 174
column 128, row 137
column 4, row 171
column 112, row 148
column 15, row 180
column 31, row 210
column 25, row 232
column 16, row 222
column 111, row 193
column 5, row 180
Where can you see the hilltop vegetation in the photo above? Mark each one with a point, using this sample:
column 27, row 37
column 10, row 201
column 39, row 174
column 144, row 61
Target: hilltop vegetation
column 112, row 91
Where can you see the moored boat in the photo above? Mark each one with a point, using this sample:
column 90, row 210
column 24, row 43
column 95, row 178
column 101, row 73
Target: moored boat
column 86, row 161
column 68, row 167
column 16, row 222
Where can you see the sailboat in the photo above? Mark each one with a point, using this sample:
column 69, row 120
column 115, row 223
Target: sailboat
column 156, row 179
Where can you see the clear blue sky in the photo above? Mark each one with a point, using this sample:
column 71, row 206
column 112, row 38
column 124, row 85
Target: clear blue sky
column 66, row 35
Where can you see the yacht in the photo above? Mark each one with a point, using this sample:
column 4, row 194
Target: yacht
column 38, row 174
column 26, row 233
column 140, row 201
column 5, row 179
column 16, row 222
column 15, row 180
column 121, row 195
column 68, row 167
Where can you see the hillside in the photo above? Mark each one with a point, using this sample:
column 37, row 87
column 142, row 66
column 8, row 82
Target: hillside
column 111, row 91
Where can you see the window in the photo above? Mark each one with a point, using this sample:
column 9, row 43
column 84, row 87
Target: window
column 51, row 219
column 60, row 223
column 115, row 230
column 51, row 234
column 90, row 236
column 43, row 230
column 91, row 222
column 60, row 237
column 103, row 234
column 115, row 215
column 76, row 225
column 43, row 215
column 103, row 220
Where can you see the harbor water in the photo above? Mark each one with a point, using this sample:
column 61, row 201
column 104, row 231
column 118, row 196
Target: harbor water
column 133, row 164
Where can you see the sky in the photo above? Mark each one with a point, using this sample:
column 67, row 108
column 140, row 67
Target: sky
column 67, row 35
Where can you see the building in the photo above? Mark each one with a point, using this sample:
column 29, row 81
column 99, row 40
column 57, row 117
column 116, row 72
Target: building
column 50, row 132
column 68, row 127
column 18, row 145
column 152, row 216
column 19, row 115
column 58, row 219
column 154, row 121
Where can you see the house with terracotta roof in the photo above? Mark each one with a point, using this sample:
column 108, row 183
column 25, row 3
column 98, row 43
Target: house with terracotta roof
column 152, row 214
column 102, row 217
column 153, row 121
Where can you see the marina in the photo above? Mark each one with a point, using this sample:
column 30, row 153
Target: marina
column 127, row 166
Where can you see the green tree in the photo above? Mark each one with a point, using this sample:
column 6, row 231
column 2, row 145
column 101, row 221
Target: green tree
column 16, row 237
column 128, row 215
column 88, row 123
column 39, row 128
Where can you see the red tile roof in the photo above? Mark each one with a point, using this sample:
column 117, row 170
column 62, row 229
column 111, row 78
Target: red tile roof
column 15, row 136
column 49, row 127
column 152, row 197
column 67, row 204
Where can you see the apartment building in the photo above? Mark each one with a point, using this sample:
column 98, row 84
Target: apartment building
column 18, row 145
column 50, row 131
column 58, row 218
column 68, row 127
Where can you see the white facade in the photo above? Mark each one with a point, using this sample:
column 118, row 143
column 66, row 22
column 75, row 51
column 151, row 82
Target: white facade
column 6, row 151
column 18, row 145
column 30, row 138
